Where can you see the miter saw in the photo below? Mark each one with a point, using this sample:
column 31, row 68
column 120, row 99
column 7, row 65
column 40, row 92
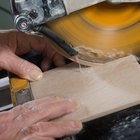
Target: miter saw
column 85, row 31
column 107, row 30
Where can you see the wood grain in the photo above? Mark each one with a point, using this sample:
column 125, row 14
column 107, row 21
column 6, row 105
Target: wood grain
column 101, row 90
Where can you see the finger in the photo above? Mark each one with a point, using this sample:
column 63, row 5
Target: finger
column 46, row 64
column 47, row 112
column 50, row 52
column 57, row 129
column 29, row 110
column 31, row 106
column 39, row 138
column 41, row 44
column 46, row 101
column 47, row 49
column 59, row 109
column 27, row 134
column 19, row 66
column 58, row 60
column 27, row 42
column 23, row 136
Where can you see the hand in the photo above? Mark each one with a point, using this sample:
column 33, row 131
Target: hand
column 13, row 43
column 34, row 120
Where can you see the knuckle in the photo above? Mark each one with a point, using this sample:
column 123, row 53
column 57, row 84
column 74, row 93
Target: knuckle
column 22, row 113
column 29, row 130
column 39, row 126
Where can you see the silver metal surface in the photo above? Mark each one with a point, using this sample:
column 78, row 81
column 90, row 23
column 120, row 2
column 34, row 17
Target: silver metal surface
column 30, row 13
column 23, row 96
column 5, row 97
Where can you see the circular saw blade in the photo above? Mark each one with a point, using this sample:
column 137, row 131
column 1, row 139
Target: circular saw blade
column 102, row 32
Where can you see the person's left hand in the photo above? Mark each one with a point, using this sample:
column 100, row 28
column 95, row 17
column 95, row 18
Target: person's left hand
column 35, row 120
column 13, row 43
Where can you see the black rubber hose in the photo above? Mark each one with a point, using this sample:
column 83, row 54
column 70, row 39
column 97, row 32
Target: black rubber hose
column 59, row 41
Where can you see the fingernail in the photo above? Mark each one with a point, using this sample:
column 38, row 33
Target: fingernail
column 35, row 75
column 76, row 124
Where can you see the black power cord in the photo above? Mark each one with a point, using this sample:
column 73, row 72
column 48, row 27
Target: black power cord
column 5, row 10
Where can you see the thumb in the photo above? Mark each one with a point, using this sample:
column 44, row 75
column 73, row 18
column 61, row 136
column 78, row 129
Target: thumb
column 20, row 67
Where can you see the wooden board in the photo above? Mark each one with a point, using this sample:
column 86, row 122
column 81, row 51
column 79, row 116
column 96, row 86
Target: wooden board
column 101, row 90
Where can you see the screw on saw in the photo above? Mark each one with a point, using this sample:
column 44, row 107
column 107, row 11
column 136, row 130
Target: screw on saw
column 23, row 23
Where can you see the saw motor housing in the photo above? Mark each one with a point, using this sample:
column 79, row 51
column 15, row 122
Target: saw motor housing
column 30, row 13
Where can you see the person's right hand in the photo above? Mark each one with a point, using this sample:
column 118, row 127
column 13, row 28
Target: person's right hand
column 34, row 120
column 14, row 43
